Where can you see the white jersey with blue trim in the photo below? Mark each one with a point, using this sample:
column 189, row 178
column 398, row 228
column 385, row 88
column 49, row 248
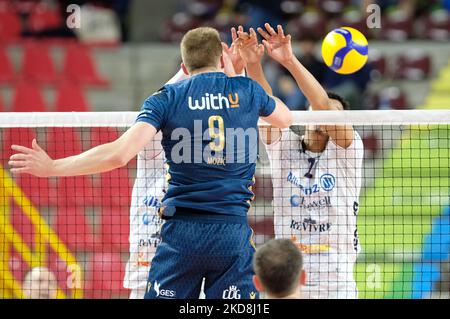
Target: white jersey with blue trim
column 316, row 198
column 145, row 224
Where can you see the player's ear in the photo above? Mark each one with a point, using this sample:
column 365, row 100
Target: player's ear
column 184, row 68
column 258, row 284
column 303, row 278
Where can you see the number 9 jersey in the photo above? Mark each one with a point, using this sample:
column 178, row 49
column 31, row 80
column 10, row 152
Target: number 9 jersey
column 210, row 139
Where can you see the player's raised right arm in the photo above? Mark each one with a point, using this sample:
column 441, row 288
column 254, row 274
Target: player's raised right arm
column 99, row 159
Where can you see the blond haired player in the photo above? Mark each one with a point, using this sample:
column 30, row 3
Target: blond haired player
column 206, row 233
column 148, row 192
column 316, row 181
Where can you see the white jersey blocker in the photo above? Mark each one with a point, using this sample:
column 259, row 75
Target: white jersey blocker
column 315, row 204
column 145, row 224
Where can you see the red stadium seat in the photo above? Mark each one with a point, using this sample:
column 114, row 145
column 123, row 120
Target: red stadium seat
column 263, row 227
column 71, row 98
column 435, row 25
column 10, row 26
column 310, row 24
column 17, row 265
column 391, row 98
column 352, row 19
column 413, row 65
column 263, row 187
column 116, row 188
column 371, row 145
column 176, row 27
column 23, row 7
column 37, row 65
column 333, row 6
column 397, row 26
column 22, row 225
column 63, row 142
column 104, row 277
column 115, row 229
column 37, row 189
column 204, row 8
column 6, row 68
column 44, row 17
column 27, row 98
column 80, row 68
column 102, row 135
column 60, row 269
column 77, row 191
column 378, row 64
column 74, row 230
column 2, row 106
column 291, row 8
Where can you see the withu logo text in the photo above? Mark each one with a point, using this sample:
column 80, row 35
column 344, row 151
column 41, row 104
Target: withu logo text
column 214, row 102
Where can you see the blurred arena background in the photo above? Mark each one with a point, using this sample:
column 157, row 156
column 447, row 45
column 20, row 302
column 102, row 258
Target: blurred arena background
column 125, row 50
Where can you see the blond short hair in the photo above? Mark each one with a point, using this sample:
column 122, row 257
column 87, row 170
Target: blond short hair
column 201, row 48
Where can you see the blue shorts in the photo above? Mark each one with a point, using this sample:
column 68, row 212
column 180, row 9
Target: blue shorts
column 219, row 249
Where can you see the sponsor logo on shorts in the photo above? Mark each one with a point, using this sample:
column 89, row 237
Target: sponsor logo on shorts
column 166, row 293
column 214, row 102
column 231, row 293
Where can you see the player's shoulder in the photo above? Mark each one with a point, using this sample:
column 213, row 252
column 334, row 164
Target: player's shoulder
column 244, row 80
column 356, row 145
column 357, row 140
column 170, row 88
column 166, row 91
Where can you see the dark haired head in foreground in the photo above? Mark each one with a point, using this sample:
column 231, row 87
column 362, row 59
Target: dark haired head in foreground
column 278, row 269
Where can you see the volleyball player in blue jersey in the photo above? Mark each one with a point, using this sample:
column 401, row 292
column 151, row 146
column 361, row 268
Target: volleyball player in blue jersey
column 209, row 128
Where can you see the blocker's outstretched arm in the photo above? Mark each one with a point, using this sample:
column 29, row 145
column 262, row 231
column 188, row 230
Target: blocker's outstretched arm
column 102, row 158
column 279, row 48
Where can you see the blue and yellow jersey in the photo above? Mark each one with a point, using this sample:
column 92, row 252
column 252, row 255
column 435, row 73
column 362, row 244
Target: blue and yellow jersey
column 210, row 139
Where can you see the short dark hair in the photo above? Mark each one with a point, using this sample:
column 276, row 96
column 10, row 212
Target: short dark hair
column 337, row 97
column 278, row 264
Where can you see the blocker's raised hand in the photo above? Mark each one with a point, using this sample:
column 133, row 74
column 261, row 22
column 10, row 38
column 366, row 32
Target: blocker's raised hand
column 250, row 50
column 277, row 44
column 228, row 66
column 233, row 51
column 34, row 161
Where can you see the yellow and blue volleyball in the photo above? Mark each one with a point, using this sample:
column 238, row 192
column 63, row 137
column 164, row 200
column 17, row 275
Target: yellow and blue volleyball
column 345, row 50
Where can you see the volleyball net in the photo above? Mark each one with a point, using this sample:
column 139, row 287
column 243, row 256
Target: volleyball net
column 374, row 210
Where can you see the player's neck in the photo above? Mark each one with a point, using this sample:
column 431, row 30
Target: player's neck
column 205, row 70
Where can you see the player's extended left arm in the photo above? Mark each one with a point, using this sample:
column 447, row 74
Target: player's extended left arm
column 99, row 159
column 342, row 135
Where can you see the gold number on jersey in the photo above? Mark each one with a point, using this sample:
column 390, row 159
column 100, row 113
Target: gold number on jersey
column 220, row 135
